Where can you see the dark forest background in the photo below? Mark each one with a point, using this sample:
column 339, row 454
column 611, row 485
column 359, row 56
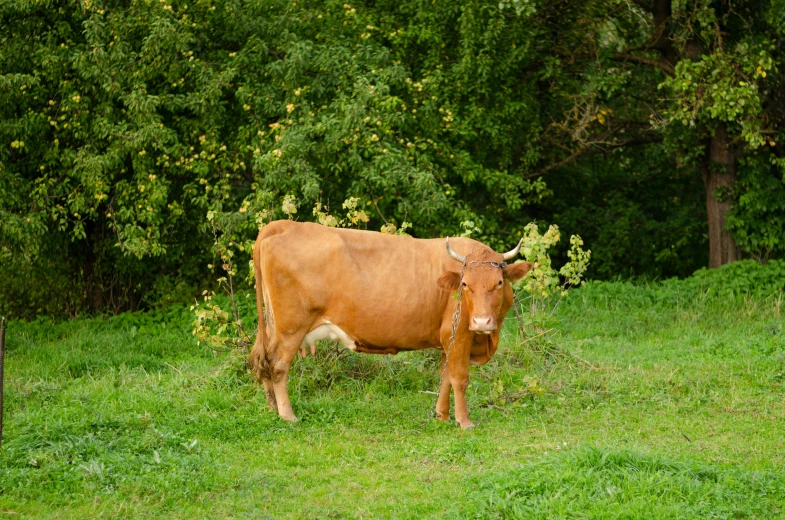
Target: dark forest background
column 134, row 134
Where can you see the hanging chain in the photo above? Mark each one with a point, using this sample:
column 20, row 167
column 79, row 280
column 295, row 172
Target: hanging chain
column 456, row 318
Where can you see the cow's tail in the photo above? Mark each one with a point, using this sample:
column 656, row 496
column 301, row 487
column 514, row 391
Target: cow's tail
column 260, row 359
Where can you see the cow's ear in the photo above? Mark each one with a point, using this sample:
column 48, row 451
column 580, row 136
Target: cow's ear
column 449, row 281
column 517, row 271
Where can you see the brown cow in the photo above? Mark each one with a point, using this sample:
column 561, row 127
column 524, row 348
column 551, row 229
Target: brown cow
column 379, row 294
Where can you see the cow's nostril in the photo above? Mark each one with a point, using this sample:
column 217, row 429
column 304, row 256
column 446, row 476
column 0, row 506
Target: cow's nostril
column 482, row 323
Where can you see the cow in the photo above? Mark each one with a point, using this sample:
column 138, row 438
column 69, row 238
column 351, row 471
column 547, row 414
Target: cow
column 378, row 294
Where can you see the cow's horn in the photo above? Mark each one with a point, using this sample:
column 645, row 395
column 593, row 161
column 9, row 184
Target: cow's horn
column 453, row 254
column 509, row 255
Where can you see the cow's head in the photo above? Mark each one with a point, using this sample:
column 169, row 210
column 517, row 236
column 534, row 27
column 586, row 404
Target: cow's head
column 486, row 277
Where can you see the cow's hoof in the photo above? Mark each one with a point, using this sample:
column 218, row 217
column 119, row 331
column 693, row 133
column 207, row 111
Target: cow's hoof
column 290, row 418
column 442, row 417
column 467, row 425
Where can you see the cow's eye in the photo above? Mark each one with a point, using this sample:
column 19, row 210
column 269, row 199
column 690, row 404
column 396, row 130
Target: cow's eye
column 464, row 285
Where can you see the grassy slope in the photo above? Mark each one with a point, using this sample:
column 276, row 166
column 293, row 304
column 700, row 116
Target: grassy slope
column 663, row 409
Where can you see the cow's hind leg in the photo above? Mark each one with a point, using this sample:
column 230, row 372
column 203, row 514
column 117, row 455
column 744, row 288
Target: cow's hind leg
column 285, row 349
column 260, row 363
column 269, row 393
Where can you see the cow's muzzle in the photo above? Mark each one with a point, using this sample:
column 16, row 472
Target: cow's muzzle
column 482, row 324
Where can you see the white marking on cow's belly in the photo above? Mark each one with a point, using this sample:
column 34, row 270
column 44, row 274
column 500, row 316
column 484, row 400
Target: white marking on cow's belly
column 328, row 330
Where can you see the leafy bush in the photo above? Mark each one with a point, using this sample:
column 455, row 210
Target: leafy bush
column 742, row 279
column 757, row 220
column 539, row 293
column 746, row 277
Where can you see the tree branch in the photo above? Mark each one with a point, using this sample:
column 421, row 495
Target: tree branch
column 660, row 64
column 593, row 149
column 643, row 5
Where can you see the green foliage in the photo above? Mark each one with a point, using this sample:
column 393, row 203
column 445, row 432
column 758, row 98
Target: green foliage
column 126, row 123
column 746, row 277
column 739, row 281
column 499, row 395
column 574, row 270
column 731, row 81
column 758, row 218
column 44, row 285
column 538, row 294
column 669, row 76
column 542, row 280
column 640, row 212
column 723, row 87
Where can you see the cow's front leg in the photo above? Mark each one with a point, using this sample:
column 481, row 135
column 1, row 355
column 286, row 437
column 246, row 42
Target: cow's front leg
column 443, row 402
column 458, row 369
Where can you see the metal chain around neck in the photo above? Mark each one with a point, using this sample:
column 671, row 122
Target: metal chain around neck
column 456, row 318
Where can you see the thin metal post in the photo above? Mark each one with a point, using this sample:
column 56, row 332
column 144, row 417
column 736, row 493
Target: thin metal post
column 2, row 374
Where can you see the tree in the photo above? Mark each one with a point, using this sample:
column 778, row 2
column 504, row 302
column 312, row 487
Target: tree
column 127, row 122
column 702, row 76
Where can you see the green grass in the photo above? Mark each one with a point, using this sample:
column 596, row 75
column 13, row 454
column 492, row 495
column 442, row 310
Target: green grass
column 658, row 403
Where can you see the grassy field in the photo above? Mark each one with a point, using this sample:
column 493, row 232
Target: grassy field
column 646, row 403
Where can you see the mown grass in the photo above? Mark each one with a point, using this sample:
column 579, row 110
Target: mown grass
column 658, row 403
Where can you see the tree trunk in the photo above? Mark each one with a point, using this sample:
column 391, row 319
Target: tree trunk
column 719, row 177
column 94, row 288
column 92, row 284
